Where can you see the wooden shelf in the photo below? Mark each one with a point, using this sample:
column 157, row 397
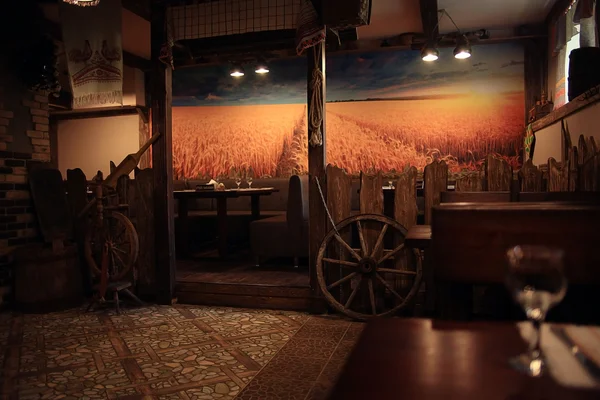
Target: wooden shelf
column 98, row 112
column 579, row 103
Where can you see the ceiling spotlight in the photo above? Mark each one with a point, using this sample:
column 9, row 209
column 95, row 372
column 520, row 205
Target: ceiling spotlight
column 429, row 53
column 261, row 69
column 236, row 71
column 463, row 48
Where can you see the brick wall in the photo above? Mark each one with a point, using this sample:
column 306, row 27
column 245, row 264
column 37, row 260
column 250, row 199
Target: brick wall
column 24, row 139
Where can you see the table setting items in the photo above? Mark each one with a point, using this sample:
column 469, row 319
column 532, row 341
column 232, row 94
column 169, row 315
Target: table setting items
column 570, row 354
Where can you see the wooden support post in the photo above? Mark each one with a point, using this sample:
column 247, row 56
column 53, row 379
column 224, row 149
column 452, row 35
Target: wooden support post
column 536, row 61
column 162, row 162
column 316, row 165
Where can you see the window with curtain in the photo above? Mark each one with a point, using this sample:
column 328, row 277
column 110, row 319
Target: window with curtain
column 575, row 28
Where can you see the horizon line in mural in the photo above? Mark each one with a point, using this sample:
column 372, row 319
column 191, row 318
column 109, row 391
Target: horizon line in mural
column 407, row 98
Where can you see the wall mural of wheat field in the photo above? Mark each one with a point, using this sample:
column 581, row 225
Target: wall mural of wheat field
column 385, row 110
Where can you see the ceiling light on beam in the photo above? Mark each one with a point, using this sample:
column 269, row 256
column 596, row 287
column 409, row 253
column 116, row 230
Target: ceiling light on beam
column 236, row 71
column 262, row 68
column 429, row 53
column 463, row 48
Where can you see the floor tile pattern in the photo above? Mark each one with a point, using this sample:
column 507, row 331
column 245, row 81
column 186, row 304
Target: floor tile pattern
column 180, row 352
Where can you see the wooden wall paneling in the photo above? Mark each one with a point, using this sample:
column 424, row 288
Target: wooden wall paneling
column 339, row 188
column 582, row 156
column 405, row 198
column 77, row 198
column 573, row 167
column 498, row 174
column 530, row 177
column 145, row 225
column 405, row 212
column 123, row 190
column 316, row 59
column 371, row 202
column 554, row 176
column 162, row 160
column 435, row 176
column 469, row 182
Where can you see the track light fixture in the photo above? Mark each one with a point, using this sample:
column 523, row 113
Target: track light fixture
column 236, row 71
column 261, row 68
column 463, row 48
column 429, row 52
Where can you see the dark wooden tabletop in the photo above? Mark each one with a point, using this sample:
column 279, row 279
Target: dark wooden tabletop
column 418, row 236
column 425, row 359
column 227, row 193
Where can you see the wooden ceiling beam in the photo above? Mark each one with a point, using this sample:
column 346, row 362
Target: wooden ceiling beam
column 429, row 18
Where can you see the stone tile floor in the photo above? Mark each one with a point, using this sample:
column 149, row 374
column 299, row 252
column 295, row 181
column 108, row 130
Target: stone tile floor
column 180, row 352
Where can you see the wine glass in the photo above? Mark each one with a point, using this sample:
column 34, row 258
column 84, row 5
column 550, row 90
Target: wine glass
column 249, row 180
column 238, row 179
column 537, row 282
column 391, row 184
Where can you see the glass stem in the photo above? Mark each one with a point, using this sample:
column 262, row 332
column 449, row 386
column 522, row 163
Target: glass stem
column 536, row 350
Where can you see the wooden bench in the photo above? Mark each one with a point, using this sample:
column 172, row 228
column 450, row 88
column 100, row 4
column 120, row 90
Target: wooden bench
column 469, row 243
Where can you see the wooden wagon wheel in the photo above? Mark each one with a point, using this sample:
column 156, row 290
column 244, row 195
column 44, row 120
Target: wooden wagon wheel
column 386, row 279
column 118, row 233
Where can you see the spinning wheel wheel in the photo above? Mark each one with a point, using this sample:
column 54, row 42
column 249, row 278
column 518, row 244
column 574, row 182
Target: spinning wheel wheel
column 111, row 241
column 367, row 279
column 117, row 234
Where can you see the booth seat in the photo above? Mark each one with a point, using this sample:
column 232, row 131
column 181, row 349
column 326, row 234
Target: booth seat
column 284, row 235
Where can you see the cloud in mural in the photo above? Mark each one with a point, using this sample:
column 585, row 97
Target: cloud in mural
column 212, row 97
column 512, row 63
column 356, row 76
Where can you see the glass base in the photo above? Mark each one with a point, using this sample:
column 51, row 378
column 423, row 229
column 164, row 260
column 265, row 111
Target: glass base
column 528, row 363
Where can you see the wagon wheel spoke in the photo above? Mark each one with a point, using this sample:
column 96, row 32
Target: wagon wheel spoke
column 372, row 297
column 389, row 287
column 119, row 250
column 379, row 240
column 123, row 264
column 396, row 271
column 354, row 292
column 347, row 247
column 344, row 279
column 363, row 245
column 391, row 253
column 341, row 262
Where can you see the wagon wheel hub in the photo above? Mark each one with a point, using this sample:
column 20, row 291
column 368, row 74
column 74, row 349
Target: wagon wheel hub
column 367, row 265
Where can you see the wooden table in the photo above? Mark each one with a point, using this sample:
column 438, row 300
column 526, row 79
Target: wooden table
column 221, row 196
column 425, row 359
column 418, row 237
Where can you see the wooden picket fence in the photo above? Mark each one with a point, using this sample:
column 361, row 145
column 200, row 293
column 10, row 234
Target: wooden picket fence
column 579, row 172
column 138, row 195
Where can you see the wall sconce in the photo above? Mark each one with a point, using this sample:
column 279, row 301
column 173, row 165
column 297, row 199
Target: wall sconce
column 82, row 3
column 236, row 71
column 462, row 50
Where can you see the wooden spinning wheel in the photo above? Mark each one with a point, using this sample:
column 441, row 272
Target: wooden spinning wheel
column 364, row 270
column 112, row 236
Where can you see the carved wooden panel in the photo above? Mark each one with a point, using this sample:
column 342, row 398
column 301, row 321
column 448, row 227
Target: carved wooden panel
column 554, row 176
column 339, row 187
column 498, row 174
column 371, row 202
column 469, row 182
column 573, row 169
column 144, row 206
column 435, row 176
column 339, row 194
column 530, row 177
column 405, row 198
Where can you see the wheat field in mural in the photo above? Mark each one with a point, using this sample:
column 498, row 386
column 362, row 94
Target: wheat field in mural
column 380, row 135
